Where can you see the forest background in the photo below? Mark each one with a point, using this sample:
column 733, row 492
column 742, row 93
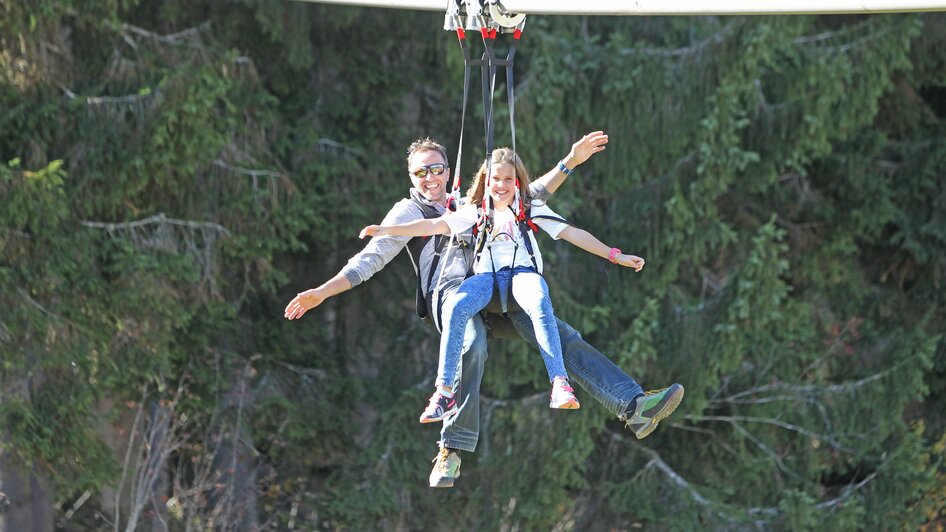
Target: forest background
column 172, row 173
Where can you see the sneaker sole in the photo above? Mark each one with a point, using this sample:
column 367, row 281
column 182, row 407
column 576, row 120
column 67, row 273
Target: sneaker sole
column 567, row 405
column 445, row 482
column 446, row 414
column 672, row 401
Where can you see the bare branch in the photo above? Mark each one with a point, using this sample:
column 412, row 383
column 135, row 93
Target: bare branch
column 658, row 462
column 687, row 50
column 247, row 171
column 724, row 510
column 778, row 423
column 159, row 218
column 810, row 388
column 846, row 47
column 130, row 98
column 766, row 449
column 26, row 297
column 128, row 453
column 338, row 146
column 186, row 36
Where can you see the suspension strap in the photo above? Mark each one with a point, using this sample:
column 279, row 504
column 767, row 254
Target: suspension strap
column 488, row 65
column 510, row 86
column 489, row 55
column 468, row 64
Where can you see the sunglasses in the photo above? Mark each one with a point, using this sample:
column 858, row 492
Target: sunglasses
column 434, row 169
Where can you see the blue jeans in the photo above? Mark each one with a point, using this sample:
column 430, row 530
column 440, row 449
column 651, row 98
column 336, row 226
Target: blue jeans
column 587, row 367
column 532, row 295
column 463, row 430
column 591, row 370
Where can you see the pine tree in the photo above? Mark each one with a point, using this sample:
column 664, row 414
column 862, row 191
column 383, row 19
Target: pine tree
column 171, row 175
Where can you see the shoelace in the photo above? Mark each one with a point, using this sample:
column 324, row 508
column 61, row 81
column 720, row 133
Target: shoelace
column 627, row 419
column 442, row 456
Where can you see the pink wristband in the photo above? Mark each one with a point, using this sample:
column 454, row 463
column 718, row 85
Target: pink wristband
column 612, row 256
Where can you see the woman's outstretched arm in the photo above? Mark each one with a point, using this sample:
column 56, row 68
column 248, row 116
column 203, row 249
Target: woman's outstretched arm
column 434, row 226
column 588, row 242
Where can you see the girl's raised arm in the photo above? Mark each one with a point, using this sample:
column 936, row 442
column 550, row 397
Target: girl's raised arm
column 435, row 226
column 588, row 242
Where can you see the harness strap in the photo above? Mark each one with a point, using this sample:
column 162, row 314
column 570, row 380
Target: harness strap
column 527, row 240
column 529, row 218
column 415, row 247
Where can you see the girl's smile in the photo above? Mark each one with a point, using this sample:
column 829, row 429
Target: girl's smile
column 502, row 184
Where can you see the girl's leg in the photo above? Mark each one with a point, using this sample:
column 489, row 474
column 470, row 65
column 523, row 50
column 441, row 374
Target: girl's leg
column 471, row 297
column 532, row 293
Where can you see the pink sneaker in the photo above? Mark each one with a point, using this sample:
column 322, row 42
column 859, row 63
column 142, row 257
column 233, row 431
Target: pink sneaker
column 439, row 407
column 563, row 396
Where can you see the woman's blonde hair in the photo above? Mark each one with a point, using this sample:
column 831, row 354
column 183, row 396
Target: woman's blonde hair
column 500, row 156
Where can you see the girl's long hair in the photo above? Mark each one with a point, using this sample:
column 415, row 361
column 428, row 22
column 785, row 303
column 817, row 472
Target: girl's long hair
column 500, row 156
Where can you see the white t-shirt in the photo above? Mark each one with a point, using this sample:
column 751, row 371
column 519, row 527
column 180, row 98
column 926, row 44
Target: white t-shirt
column 504, row 243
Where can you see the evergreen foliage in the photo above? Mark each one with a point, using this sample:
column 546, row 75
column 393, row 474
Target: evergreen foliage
column 172, row 173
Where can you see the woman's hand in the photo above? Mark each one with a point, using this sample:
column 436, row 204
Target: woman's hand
column 371, row 230
column 630, row 261
column 303, row 302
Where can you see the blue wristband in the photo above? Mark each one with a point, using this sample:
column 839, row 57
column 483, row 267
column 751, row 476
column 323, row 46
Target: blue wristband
column 564, row 169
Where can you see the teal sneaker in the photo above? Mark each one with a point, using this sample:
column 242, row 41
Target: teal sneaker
column 652, row 408
column 446, row 468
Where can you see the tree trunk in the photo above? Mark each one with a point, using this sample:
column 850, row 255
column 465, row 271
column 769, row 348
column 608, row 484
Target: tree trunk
column 235, row 463
column 24, row 499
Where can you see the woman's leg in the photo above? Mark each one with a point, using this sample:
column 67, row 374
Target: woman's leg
column 471, row 297
column 532, row 293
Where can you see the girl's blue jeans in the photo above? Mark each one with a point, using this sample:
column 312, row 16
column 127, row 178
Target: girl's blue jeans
column 529, row 290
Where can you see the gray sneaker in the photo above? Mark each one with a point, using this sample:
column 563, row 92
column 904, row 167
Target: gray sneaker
column 651, row 408
column 446, row 468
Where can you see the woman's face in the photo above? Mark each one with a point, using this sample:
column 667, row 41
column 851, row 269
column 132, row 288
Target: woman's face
column 502, row 184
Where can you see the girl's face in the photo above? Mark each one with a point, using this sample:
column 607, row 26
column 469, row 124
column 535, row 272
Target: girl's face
column 502, row 184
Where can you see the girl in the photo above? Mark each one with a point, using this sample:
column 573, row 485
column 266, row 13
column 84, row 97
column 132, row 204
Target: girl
column 510, row 256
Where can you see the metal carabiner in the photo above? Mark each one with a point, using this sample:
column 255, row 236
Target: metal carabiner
column 504, row 18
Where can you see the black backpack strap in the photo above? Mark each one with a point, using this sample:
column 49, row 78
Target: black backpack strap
column 549, row 217
column 527, row 224
column 415, row 247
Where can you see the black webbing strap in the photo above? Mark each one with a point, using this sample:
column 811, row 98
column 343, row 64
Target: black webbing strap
column 468, row 64
column 511, row 86
column 527, row 240
column 488, row 64
column 489, row 39
column 548, row 217
column 527, row 224
column 439, row 242
column 415, row 247
column 489, row 86
column 488, row 70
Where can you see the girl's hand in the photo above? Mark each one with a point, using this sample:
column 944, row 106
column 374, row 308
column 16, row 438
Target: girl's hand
column 371, row 230
column 630, row 261
column 587, row 146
